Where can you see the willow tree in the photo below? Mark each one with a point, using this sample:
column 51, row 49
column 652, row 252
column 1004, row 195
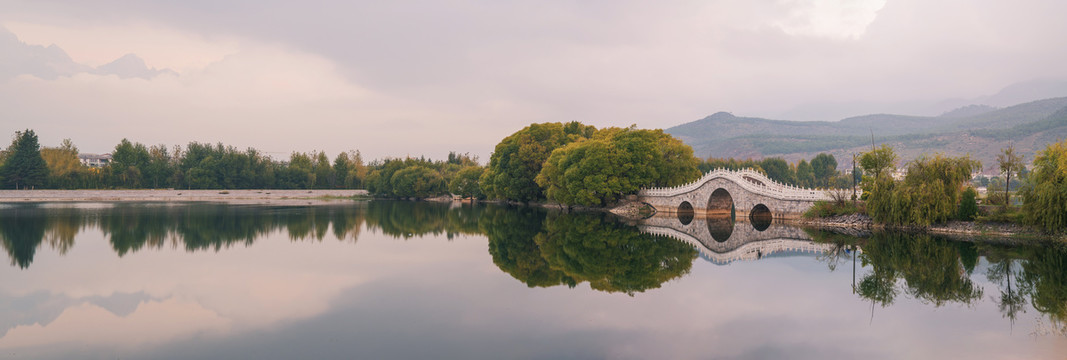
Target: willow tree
column 1045, row 198
column 929, row 193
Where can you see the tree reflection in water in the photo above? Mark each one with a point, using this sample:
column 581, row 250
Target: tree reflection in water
column 611, row 256
column 937, row 271
column 512, row 244
column 1044, row 280
column 22, row 230
column 544, row 249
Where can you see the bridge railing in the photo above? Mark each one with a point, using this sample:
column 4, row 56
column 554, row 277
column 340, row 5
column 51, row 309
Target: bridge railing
column 768, row 187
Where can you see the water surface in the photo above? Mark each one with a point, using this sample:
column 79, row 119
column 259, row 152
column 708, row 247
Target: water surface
column 419, row 280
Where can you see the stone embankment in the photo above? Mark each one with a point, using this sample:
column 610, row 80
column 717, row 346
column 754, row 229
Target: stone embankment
column 971, row 228
column 862, row 225
column 632, row 209
column 852, row 224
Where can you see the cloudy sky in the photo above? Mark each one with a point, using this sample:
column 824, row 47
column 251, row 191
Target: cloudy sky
column 396, row 78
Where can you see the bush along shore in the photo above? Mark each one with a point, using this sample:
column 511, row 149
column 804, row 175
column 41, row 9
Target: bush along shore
column 936, row 194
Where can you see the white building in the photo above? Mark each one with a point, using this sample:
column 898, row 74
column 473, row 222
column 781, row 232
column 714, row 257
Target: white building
column 95, row 160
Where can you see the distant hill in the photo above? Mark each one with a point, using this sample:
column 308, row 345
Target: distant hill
column 981, row 131
column 1017, row 93
column 969, row 110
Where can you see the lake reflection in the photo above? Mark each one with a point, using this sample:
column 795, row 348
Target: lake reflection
column 406, row 279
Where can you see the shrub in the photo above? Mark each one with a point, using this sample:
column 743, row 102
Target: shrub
column 968, row 205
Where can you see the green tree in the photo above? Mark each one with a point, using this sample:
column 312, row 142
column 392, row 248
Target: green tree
column 463, row 160
column 341, row 164
column 357, row 171
column 63, row 164
column 302, row 170
column 1045, row 198
column 160, row 167
column 325, row 177
column 518, row 158
column 465, row 183
column 418, row 182
column 24, row 166
column 824, row 168
column 778, row 169
column 928, row 194
column 1009, row 163
column 878, row 161
column 805, row 174
column 614, row 163
column 128, row 162
column 968, row 205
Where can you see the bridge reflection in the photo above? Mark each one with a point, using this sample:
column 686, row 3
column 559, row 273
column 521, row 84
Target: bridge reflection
column 723, row 240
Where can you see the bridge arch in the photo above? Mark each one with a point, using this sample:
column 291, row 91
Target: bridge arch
column 720, row 228
column 685, row 213
column 720, row 203
column 761, row 217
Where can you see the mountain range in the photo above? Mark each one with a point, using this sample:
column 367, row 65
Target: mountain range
column 980, row 130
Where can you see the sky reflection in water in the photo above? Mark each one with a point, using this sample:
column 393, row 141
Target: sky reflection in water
column 406, row 280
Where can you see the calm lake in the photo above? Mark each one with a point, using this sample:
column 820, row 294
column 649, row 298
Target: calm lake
column 409, row 280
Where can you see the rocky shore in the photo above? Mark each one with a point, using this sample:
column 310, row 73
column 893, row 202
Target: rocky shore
column 862, row 225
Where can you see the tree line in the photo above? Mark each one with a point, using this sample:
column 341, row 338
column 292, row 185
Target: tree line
column 939, row 188
column 567, row 163
column 26, row 165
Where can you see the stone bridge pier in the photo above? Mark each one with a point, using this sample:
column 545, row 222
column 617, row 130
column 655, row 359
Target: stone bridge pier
column 741, row 194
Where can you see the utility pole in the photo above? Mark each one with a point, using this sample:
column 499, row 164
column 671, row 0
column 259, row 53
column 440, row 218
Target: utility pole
column 854, row 198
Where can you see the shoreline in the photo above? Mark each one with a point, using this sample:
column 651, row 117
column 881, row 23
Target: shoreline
column 961, row 230
column 171, row 195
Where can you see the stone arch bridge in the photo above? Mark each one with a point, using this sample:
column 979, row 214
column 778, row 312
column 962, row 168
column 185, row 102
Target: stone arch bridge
column 739, row 193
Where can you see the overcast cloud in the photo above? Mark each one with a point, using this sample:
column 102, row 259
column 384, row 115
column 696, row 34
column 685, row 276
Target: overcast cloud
column 416, row 78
